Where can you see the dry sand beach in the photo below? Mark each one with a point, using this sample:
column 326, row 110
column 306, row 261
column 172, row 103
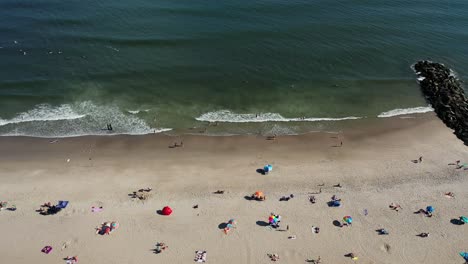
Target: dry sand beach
column 373, row 166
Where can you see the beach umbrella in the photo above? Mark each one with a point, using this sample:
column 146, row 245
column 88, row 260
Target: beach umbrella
column 348, row 219
column 272, row 219
column 464, row 219
column 270, row 168
column 430, row 209
column 114, row 225
column 166, row 210
column 464, row 255
column 259, row 194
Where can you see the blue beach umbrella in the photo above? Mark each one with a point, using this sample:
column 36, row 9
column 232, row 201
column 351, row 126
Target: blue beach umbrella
column 464, row 255
column 430, row 209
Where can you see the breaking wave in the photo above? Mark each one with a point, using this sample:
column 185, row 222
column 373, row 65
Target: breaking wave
column 406, row 111
column 71, row 120
column 230, row 117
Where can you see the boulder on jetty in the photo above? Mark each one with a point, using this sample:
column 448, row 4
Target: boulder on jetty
column 446, row 95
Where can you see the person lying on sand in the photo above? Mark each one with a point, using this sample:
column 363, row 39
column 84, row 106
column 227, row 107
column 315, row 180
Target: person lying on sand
column 315, row 229
column 382, row 231
column 395, row 207
column 352, row 256
column 315, row 261
column 422, row 211
column 219, row 192
column 337, row 185
column 147, row 189
column 423, row 235
column 71, row 260
column 450, row 195
column 160, row 247
column 335, row 198
column 273, row 257
column 312, row 199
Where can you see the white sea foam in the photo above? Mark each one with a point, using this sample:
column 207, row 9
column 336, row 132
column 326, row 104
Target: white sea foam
column 406, row 111
column 421, row 78
column 134, row 112
column 230, row 117
column 70, row 120
column 44, row 112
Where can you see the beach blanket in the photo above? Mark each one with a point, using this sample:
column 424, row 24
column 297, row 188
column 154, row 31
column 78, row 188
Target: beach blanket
column 47, row 249
column 96, row 209
column 200, row 256
column 62, row 204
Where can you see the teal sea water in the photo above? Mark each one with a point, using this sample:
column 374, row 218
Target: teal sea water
column 68, row 68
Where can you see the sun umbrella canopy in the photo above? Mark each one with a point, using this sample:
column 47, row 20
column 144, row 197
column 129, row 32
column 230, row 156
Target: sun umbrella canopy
column 258, row 194
column 464, row 219
column 430, row 209
column 464, row 255
column 167, row 210
column 348, row 219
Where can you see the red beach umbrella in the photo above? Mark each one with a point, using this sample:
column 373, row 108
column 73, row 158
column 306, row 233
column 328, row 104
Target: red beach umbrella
column 166, row 210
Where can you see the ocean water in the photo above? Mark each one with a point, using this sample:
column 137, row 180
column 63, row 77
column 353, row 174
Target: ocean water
column 68, row 68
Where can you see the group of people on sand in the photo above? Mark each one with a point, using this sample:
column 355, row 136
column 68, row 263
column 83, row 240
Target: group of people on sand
column 142, row 194
column 286, row 198
column 48, row 209
column 4, row 206
column 160, row 247
column 107, row 228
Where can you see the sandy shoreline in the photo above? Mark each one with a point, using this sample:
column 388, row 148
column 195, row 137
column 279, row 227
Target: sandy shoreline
column 374, row 166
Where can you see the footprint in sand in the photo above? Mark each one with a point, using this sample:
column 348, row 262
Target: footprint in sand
column 386, row 247
column 66, row 244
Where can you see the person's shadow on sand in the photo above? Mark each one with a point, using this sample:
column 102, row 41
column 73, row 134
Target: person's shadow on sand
column 456, row 222
column 262, row 223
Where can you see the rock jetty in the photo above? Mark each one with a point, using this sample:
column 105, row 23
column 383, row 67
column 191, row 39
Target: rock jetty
column 446, row 95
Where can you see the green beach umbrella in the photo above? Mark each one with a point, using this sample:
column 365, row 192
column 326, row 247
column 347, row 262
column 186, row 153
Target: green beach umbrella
column 464, row 219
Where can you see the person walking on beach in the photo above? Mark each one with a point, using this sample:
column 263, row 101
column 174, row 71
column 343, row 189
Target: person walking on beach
column 420, row 159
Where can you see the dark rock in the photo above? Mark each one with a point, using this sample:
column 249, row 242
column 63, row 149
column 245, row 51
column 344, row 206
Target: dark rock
column 446, row 95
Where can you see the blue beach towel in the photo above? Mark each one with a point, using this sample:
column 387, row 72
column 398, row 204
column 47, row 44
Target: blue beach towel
column 62, row 204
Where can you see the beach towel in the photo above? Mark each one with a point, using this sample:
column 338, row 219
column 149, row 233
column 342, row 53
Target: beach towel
column 200, row 256
column 62, row 204
column 96, row 209
column 47, row 249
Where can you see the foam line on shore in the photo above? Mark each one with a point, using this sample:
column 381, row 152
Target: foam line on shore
column 406, row 111
column 227, row 116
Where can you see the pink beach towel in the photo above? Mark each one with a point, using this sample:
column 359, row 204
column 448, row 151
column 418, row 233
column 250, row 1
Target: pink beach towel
column 96, row 209
column 47, row 249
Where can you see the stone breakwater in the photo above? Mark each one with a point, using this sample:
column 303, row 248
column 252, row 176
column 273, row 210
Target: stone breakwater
column 446, row 95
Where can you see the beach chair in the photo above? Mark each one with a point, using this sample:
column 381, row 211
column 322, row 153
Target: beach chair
column 62, row 204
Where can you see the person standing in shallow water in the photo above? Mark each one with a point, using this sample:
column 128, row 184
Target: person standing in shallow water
column 109, row 127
